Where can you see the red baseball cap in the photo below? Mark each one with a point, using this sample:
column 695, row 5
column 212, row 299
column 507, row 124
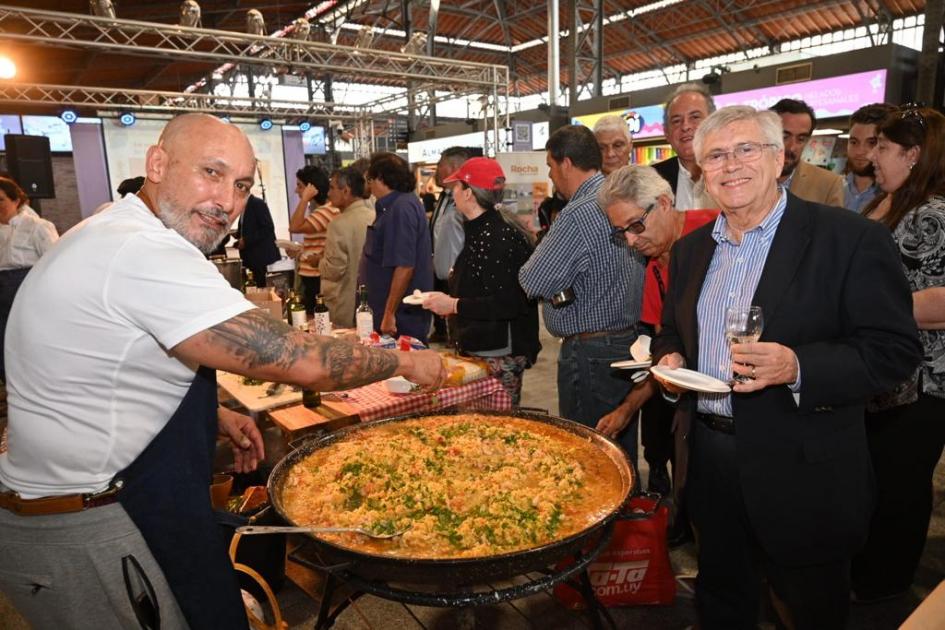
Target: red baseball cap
column 480, row 172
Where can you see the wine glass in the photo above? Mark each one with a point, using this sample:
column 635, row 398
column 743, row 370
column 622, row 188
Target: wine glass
column 743, row 324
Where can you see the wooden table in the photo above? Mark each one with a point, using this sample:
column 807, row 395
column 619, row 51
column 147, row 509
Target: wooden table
column 373, row 402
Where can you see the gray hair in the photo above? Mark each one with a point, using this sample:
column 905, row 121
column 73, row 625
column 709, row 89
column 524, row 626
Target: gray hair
column 640, row 185
column 613, row 122
column 687, row 88
column 486, row 199
column 767, row 121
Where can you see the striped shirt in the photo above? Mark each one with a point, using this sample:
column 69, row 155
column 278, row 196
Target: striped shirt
column 577, row 253
column 731, row 280
column 319, row 218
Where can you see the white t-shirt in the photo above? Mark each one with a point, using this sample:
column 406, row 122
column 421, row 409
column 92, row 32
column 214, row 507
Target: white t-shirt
column 24, row 239
column 89, row 378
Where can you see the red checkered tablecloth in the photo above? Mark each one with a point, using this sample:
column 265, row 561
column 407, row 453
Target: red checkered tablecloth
column 374, row 402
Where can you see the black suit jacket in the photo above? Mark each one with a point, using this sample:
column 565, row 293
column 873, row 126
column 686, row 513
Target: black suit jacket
column 669, row 170
column 258, row 234
column 833, row 290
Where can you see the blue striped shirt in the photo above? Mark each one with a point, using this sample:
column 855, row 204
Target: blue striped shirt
column 731, row 280
column 577, row 253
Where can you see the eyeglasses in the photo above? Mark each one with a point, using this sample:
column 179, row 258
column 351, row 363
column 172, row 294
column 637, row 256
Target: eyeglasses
column 745, row 152
column 637, row 226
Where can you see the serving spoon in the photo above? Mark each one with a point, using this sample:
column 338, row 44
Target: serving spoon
column 287, row 529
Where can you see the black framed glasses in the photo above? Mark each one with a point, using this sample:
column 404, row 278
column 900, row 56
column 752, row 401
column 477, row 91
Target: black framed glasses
column 637, row 226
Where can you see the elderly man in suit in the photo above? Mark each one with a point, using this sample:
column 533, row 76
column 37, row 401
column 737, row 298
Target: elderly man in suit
column 686, row 107
column 802, row 179
column 779, row 482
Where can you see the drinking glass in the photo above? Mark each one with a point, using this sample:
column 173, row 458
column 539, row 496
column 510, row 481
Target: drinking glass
column 743, row 324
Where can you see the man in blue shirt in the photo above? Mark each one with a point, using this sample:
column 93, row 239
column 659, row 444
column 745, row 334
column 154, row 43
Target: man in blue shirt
column 859, row 184
column 397, row 256
column 602, row 283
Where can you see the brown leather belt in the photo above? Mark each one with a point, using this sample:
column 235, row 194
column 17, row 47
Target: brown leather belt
column 63, row 504
column 599, row 333
column 722, row 424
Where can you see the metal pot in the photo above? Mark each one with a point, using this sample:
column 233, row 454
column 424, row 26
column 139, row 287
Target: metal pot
column 458, row 570
column 232, row 270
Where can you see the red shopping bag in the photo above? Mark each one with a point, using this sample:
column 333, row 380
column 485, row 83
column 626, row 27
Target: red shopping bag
column 634, row 568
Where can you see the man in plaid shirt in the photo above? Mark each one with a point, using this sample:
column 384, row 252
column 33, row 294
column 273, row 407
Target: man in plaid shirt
column 578, row 257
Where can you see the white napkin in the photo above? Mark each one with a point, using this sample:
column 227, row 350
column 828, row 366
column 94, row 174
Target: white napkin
column 640, row 350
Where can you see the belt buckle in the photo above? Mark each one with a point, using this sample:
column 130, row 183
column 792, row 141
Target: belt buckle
column 90, row 500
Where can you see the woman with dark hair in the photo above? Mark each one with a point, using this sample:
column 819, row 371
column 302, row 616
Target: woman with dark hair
column 24, row 237
column 311, row 218
column 398, row 255
column 906, row 427
column 489, row 314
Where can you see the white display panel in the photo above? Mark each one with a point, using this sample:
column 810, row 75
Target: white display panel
column 313, row 141
column 60, row 139
column 126, row 148
column 9, row 124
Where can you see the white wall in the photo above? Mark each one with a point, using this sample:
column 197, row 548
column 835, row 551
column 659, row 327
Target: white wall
column 126, row 147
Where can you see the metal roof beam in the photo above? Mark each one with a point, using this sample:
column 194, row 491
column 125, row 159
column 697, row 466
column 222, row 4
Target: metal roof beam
column 50, row 28
column 122, row 99
column 721, row 15
column 630, row 24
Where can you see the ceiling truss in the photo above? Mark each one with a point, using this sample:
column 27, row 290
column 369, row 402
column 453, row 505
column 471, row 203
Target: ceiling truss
column 160, row 40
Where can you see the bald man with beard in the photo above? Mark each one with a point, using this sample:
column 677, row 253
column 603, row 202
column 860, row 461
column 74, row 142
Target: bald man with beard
column 113, row 416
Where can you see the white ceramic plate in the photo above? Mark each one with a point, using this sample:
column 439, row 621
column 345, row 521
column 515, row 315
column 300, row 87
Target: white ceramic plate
column 690, row 379
column 286, row 244
column 399, row 385
column 415, row 299
column 631, row 364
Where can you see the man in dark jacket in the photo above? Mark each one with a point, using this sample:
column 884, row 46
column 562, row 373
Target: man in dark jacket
column 257, row 239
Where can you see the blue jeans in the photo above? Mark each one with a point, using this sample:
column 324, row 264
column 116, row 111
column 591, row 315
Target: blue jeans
column 588, row 388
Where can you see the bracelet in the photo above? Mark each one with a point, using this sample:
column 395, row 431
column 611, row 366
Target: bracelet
column 455, row 306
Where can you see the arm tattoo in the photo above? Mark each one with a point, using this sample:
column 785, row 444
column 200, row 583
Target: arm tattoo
column 260, row 340
column 352, row 365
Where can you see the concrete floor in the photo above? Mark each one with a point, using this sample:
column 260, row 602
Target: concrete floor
column 542, row 611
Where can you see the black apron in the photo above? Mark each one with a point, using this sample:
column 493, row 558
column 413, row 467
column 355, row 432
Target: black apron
column 166, row 493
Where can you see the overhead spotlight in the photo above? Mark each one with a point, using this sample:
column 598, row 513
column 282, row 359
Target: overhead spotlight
column 102, row 8
column 416, row 45
column 305, row 125
column 127, row 119
column 189, row 14
column 255, row 24
column 302, row 29
column 715, row 75
column 69, row 116
column 7, row 67
column 365, row 36
column 265, row 124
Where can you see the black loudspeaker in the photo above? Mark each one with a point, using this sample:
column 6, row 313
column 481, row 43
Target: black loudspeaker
column 30, row 164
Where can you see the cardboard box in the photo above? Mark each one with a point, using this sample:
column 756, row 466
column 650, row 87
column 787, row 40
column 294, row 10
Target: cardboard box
column 266, row 299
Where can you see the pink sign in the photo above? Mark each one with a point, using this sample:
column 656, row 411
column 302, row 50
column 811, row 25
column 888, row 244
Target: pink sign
column 830, row 98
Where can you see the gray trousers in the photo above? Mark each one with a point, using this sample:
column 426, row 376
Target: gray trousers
column 65, row 570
